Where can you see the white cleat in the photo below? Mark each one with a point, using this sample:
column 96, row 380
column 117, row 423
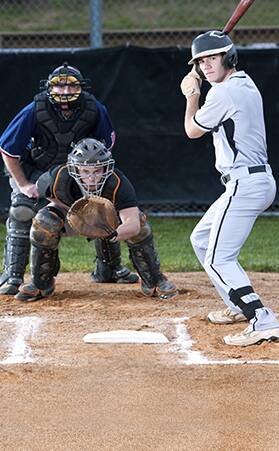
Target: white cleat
column 251, row 337
column 226, row 316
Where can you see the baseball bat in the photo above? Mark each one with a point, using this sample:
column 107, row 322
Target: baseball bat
column 239, row 11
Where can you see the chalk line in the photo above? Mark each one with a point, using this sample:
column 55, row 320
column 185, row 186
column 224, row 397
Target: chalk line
column 183, row 344
column 19, row 351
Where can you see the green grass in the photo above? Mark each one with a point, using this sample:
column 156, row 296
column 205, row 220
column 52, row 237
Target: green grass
column 260, row 252
column 74, row 15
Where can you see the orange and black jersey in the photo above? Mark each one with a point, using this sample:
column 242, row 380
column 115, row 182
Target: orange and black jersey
column 58, row 184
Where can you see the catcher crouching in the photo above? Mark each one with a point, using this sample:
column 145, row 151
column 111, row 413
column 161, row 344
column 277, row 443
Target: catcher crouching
column 90, row 197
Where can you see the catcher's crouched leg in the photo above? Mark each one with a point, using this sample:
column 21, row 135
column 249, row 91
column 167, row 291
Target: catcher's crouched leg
column 108, row 264
column 45, row 235
column 146, row 261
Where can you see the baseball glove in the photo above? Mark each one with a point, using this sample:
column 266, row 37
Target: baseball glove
column 93, row 217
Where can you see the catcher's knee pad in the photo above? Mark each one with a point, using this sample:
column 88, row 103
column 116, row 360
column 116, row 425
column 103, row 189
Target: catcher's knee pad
column 47, row 227
column 145, row 232
column 246, row 299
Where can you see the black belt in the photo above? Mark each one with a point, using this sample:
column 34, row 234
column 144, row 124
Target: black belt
column 252, row 170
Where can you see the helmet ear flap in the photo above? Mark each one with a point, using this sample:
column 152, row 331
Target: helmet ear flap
column 226, row 61
column 229, row 59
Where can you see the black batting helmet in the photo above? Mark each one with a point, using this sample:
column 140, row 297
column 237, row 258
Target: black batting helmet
column 212, row 43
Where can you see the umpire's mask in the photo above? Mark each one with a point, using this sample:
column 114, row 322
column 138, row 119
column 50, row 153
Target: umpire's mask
column 90, row 164
column 64, row 86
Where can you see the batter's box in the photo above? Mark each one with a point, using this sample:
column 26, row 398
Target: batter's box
column 199, row 342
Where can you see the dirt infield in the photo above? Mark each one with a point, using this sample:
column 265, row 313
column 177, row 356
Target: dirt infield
column 193, row 393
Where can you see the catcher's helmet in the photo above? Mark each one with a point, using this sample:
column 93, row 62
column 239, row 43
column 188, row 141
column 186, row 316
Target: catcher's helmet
column 212, row 43
column 90, row 164
column 61, row 76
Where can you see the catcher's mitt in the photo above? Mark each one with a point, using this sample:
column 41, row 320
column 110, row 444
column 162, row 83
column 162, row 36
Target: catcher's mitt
column 93, row 217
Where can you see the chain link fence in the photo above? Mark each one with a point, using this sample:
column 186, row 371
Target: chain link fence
column 152, row 23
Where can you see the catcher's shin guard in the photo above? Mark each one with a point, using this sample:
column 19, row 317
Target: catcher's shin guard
column 16, row 255
column 146, row 261
column 44, row 261
column 45, row 265
column 108, row 264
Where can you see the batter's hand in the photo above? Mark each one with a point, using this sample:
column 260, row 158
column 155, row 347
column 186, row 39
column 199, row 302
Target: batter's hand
column 191, row 84
column 30, row 190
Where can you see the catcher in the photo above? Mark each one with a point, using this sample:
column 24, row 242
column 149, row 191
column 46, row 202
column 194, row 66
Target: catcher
column 89, row 197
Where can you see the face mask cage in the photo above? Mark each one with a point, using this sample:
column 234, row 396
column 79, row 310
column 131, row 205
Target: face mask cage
column 91, row 184
column 71, row 86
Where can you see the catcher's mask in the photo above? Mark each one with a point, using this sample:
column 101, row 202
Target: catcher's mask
column 90, row 164
column 64, row 86
column 213, row 43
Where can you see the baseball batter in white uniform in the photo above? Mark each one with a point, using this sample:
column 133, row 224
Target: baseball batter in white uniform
column 233, row 113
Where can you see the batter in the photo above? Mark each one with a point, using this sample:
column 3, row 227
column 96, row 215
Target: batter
column 233, row 113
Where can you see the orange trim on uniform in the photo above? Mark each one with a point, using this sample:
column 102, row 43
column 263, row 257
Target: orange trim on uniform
column 116, row 188
column 56, row 181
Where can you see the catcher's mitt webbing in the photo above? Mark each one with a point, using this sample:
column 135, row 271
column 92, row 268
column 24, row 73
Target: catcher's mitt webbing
column 93, row 217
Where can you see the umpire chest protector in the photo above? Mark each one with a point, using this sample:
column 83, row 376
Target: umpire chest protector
column 56, row 134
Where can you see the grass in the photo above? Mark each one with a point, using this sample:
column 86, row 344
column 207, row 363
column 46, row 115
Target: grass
column 74, row 15
column 260, row 252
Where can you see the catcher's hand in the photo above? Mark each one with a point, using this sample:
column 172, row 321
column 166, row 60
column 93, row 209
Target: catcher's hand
column 191, row 84
column 93, row 217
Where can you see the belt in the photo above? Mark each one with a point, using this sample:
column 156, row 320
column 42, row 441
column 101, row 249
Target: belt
column 242, row 172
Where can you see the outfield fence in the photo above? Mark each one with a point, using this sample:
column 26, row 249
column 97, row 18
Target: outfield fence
column 108, row 23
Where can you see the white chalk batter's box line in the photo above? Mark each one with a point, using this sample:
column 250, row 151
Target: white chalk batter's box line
column 20, row 351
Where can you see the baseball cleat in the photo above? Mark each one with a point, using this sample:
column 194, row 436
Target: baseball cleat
column 251, row 337
column 9, row 288
column 226, row 316
column 30, row 293
column 164, row 290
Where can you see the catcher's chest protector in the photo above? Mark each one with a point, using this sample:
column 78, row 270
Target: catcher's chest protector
column 56, row 134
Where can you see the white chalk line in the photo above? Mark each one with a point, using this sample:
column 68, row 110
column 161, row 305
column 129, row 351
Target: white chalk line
column 19, row 351
column 26, row 327
column 183, row 344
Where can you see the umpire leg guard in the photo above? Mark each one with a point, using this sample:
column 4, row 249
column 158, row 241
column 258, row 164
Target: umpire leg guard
column 146, row 261
column 108, row 264
column 45, row 236
column 16, row 255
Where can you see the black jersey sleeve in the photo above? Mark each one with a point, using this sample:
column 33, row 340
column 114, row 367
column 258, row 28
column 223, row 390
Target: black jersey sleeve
column 58, row 184
column 126, row 195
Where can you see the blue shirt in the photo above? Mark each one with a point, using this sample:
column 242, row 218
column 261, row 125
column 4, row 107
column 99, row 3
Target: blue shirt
column 18, row 134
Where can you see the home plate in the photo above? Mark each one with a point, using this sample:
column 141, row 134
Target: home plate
column 125, row 336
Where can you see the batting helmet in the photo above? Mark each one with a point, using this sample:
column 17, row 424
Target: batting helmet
column 212, row 43
column 90, row 164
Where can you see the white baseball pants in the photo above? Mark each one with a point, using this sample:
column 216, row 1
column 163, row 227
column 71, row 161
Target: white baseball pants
column 219, row 236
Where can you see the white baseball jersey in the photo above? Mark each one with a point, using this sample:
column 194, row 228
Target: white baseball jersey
column 233, row 111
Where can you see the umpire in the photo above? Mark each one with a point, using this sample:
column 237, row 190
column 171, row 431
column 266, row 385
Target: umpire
column 38, row 137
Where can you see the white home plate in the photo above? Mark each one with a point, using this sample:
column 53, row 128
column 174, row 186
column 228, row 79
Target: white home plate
column 125, row 336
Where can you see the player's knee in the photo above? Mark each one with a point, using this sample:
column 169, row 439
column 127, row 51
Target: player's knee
column 21, row 213
column 143, row 233
column 196, row 243
column 47, row 227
